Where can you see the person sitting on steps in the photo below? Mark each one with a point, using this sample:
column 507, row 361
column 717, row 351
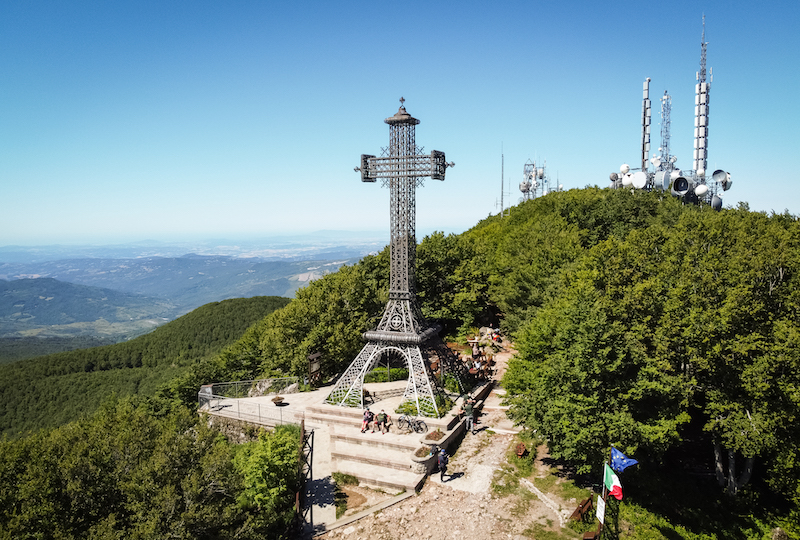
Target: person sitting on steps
column 367, row 419
column 381, row 421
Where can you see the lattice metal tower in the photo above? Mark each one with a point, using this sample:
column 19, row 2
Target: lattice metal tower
column 402, row 330
column 666, row 161
column 701, row 103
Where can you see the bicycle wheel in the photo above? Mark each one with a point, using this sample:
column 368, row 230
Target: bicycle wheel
column 420, row 426
column 403, row 423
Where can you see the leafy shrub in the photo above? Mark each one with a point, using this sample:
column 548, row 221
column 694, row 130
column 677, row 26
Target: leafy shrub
column 379, row 375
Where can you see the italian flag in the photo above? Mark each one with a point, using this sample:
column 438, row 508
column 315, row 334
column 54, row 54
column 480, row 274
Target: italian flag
column 611, row 481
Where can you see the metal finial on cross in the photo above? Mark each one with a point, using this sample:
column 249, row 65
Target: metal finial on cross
column 402, row 100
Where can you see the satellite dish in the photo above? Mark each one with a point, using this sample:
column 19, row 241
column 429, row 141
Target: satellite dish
column 716, row 202
column 680, row 186
column 657, row 162
column 524, row 187
column 560, row 187
column 625, row 168
column 613, row 177
column 639, row 179
column 661, row 180
column 627, row 179
column 673, row 159
column 541, row 173
column 674, row 174
column 701, row 172
column 701, row 190
column 722, row 178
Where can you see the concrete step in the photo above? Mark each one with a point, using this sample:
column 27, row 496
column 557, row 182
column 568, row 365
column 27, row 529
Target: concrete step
column 380, row 476
column 391, row 441
column 332, row 415
column 390, row 457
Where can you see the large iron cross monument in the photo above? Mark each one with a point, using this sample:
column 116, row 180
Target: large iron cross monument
column 402, row 330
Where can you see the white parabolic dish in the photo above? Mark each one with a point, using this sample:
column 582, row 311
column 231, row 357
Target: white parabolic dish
column 639, row 180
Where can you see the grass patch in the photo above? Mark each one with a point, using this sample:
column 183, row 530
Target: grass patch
column 505, row 481
column 540, row 532
column 344, row 479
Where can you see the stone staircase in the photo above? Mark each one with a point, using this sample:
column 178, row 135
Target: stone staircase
column 378, row 460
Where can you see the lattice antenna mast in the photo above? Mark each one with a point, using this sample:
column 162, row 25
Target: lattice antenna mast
column 701, row 102
column 667, row 163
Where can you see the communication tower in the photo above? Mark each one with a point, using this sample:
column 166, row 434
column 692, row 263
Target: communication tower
column 690, row 185
column 529, row 182
column 536, row 182
column 646, row 116
column 701, row 102
column 665, row 161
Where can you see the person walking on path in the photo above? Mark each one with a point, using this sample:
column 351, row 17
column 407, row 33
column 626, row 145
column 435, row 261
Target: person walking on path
column 367, row 419
column 467, row 409
column 443, row 461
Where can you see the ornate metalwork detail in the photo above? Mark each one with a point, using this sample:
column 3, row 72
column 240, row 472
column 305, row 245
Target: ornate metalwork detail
column 402, row 328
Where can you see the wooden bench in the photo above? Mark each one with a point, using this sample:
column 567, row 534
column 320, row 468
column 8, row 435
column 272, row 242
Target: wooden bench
column 591, row 535
column 584, row 508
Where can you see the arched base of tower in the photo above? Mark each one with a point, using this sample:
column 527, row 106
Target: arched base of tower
column 420, row 390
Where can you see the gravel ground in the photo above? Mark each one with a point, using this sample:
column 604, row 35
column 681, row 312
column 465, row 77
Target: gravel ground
column 464, row 506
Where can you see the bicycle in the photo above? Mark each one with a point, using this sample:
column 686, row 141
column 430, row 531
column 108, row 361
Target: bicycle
column 406, row 422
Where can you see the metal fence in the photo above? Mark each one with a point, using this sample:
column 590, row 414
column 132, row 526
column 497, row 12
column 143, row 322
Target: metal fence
column 258, row 387
column 226, row 399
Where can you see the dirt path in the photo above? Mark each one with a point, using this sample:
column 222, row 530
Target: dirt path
column 466, row 505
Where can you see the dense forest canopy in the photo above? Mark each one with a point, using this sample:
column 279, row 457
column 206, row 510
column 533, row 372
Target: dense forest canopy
column 641, row 323
column 143, row 468
column 54, row 389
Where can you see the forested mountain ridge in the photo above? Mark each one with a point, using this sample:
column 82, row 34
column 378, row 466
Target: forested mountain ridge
column 55, row 389
column 46, row 306
column 666, row 330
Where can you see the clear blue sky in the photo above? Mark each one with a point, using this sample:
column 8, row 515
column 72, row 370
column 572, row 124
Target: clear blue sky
column 131, row 120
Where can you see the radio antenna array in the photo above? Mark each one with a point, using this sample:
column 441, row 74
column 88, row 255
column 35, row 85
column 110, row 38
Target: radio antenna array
column 701, row 102
column 691, row 185
column 646, row 115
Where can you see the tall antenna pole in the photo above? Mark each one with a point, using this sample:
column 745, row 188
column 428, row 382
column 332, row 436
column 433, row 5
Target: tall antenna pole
column 502, row 176
column 702, row 90
column 646, row 114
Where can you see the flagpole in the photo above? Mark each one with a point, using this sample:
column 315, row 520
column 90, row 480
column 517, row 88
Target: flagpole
column 605, row 490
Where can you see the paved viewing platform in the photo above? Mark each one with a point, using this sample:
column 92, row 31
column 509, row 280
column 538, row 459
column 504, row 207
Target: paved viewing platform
column 382, row 461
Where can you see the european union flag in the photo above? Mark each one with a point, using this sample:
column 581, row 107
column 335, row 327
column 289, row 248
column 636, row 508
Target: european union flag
column 619, row 461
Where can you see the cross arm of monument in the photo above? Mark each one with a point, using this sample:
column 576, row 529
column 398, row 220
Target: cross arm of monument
column 416, row 166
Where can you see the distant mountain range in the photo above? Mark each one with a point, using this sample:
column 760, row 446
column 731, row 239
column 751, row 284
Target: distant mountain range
column 185, row 282
column 46, row 307
column 320, row 245
column 120, row 291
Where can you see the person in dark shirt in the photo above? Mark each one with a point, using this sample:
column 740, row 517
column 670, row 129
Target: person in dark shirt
column 443, row 461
